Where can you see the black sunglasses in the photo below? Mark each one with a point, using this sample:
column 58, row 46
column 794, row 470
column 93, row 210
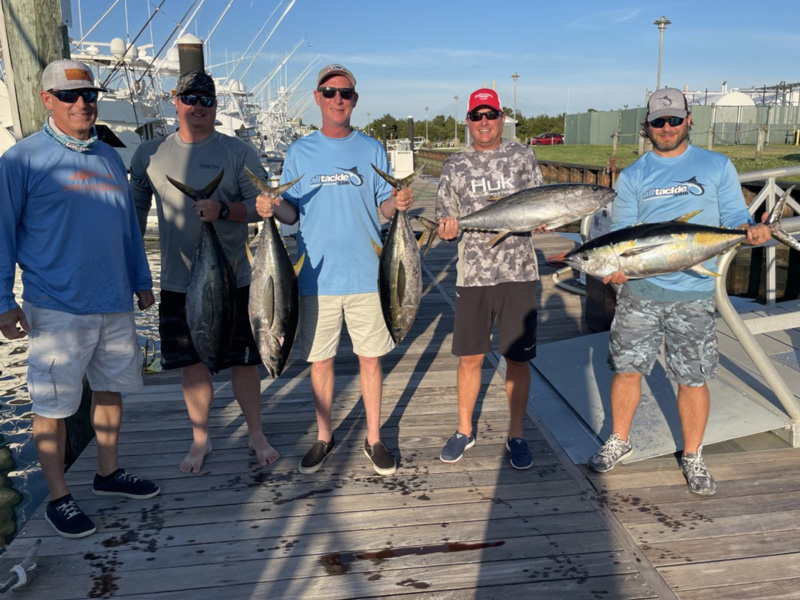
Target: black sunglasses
column 330, row 92
column 489, row 114
column 71, row 96
column 660, row 122
column 192, row 99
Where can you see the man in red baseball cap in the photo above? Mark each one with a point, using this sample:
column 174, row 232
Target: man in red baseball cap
column 493, row 282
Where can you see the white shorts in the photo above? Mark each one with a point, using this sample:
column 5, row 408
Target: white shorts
column 321, row 320
column 64, row 346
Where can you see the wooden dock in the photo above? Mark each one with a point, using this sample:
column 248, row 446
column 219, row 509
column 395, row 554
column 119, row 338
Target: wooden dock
column 476, row 529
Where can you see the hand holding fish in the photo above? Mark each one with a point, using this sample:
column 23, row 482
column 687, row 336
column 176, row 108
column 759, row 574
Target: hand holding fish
column 266, row 203
column 617, row 278
column 145, row 299
column 448, row 228
column 757, row 234
column 8, row 324
column 403, row 198
column 207, row 209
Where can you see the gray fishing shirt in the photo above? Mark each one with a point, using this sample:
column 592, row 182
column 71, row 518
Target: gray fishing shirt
column 196, row 165
column 469, row 180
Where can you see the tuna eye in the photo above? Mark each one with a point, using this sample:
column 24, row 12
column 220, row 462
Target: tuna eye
column 584, row 256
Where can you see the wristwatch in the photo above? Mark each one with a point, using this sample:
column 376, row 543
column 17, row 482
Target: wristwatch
column 224, row 210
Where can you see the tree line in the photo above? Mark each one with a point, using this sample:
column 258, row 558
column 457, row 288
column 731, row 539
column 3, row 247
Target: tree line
column 441, row 129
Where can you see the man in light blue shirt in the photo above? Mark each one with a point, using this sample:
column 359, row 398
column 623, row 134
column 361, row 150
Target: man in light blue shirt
column 337, row 203
column 678, row 308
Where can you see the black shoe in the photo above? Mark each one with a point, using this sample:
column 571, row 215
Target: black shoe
column 382, row 460
column 120, row 483
column 314, row 458
column 68, row 519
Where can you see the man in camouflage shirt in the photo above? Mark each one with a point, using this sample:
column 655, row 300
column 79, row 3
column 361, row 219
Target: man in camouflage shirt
column 492, row 283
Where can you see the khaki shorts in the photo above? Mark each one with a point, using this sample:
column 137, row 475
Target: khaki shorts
column 321, row 319
column 64, row 346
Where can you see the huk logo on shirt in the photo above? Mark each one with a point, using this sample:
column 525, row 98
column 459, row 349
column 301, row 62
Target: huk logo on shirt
column 682, row 188
column 85, row 181
column 484, row 185
column 347, row 176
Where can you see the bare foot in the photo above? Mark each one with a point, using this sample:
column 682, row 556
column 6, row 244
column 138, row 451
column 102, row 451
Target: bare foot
column 194, row 460
column 265, row 453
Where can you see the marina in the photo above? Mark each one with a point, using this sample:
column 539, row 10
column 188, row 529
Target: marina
column 474, row 529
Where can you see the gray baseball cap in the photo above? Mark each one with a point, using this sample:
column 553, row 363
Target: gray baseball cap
column 66, row 74
column 335, row 69
column 667, row 102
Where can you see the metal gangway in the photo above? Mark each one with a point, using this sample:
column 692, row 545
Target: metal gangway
column 745, row 331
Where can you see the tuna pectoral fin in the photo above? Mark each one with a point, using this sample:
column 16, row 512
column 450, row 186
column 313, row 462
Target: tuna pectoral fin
column 640, row 250
column 401, row 283
column 703, row 271
column 299, row 265
column 496, row 239
column 269, row 302
column 685, row 218
column 378, row 249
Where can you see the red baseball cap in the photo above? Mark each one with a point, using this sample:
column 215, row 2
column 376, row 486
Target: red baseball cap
column 484, row 97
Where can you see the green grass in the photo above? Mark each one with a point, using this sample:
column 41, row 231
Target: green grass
column 743, row 157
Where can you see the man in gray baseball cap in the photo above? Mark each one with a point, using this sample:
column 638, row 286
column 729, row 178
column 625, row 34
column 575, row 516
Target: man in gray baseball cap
column 66, row 74
column 667, row 102
column 76, row 311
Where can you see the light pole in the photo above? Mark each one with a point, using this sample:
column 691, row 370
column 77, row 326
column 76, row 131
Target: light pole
column 661, row 23
column 455, row 122
column 368, row 121
column 515, row 76
column 426, row 124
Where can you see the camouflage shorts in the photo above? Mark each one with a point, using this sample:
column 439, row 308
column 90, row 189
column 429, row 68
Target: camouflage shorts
column 687, row 328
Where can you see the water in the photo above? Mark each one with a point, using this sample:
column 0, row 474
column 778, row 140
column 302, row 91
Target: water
column 22, row 485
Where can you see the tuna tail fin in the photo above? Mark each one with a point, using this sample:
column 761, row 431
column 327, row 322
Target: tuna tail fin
column 263, row 188
column 685, row 218
column 202, row 194
column 398, row 184
column 774, row 222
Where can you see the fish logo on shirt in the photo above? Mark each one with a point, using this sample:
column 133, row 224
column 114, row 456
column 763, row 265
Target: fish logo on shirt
column 347, row 176
column 682, row 188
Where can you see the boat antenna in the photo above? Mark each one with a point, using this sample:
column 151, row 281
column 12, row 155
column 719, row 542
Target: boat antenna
column 130, row 44
column 285, row 12
column 100, row 20
column 156, row 55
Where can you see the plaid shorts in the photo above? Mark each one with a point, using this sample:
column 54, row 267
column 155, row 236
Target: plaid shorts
column 687, row 329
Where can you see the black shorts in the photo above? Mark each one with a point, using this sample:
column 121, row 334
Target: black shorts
column 177, row 349
column 512, row 304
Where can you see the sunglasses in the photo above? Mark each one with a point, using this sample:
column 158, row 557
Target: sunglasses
column 660, row 122
column 330, row 92
column 192, row 99
column 71, row 96
column 489, row 114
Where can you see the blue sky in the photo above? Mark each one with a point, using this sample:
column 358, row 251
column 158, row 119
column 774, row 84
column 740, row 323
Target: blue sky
column 570, row 55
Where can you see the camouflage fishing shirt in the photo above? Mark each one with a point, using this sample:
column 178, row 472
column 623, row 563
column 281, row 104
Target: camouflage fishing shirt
column 469, row 179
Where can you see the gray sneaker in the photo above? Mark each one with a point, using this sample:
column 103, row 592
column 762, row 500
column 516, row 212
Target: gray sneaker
column 613, row 451
column 697, row 476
